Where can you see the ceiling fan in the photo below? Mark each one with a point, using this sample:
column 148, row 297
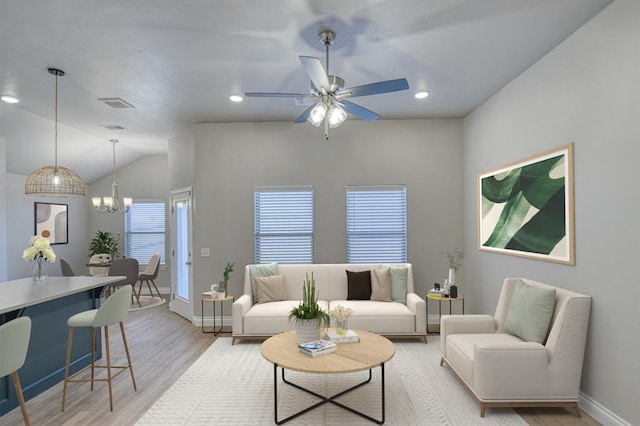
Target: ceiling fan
column 327, row 93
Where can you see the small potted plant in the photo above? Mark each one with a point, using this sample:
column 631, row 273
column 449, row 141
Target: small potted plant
column 308, row 318
column 222, row 285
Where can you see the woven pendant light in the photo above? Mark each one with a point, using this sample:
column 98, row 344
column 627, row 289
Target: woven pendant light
column 54, row 181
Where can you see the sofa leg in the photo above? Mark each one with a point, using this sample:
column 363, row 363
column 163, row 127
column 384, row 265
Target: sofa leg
column 441, row 361
column 425, row 339
column 577, row 410
column 482, row 409
column 233, row 341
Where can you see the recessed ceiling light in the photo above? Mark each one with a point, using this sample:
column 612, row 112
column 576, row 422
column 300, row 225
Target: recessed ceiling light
column 235, row 98
column 9, row 99
column 421, row 95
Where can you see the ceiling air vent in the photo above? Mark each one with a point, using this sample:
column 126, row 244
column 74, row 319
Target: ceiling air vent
column 116, row 103
column 112, row 126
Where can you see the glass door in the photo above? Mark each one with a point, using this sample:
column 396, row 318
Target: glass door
column 181, row 301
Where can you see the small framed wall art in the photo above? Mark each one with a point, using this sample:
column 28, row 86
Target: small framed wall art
column 51, row 222
column 526, row 208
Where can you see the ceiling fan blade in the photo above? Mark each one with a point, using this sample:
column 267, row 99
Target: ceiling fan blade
column 276, row 95
column 305, row 115
column 314, row 69
column 379, row 87
column 359, row 111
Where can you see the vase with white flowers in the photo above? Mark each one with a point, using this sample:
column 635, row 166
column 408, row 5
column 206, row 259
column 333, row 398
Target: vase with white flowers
column 341, row 316
column 40, row 250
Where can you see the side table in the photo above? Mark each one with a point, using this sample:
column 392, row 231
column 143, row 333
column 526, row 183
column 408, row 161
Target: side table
column 207, row 297
column 440, row 299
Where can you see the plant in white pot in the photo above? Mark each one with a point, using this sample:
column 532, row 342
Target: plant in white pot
column 308, row 318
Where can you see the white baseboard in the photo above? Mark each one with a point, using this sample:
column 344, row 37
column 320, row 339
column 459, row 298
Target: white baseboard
column 208, row 321
column 600, row 413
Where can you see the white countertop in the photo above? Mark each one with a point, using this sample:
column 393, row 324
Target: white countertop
column 24, row 292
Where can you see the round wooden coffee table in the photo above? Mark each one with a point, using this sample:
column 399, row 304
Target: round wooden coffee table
column 372, row 351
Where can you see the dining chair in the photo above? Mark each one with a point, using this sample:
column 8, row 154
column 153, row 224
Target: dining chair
column 14, row 343
column 149, row 275
column 67, row 271
column 127, row 267
column 113, row 311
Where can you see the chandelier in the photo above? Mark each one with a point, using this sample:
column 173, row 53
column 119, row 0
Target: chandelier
column 54, row 181
column 112, row 204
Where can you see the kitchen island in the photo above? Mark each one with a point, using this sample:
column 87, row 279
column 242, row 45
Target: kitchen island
column 49, row 304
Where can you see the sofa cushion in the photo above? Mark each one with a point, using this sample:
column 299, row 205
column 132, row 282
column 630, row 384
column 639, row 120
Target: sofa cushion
column 530, row 312
column 271, row 289
column 264, row 270
column 381, row 285
column 359, row 285
column 398, row 283
column 378, row 317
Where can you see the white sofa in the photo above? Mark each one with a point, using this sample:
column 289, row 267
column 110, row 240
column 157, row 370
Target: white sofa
column 391, row 319
column 502, row 370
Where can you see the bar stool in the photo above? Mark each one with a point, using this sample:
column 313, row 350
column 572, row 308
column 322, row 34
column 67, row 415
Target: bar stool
column 14, row 342
column 114, row 310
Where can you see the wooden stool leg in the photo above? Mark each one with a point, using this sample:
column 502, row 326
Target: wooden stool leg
column 106, row 343
column 126, row 349
column 66, row 368
column 23, row 407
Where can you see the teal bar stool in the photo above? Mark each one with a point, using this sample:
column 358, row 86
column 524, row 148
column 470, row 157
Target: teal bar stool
column 113, row 311
column 14, row 342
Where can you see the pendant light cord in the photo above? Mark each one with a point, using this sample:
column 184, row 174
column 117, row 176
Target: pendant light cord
column 56, row 125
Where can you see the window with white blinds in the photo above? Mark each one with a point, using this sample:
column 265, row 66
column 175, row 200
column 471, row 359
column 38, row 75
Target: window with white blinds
column 284, row 225
column 376, row 224
column 144, row 230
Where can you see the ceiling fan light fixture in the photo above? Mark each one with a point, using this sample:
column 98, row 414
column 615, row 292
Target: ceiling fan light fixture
column 317, row 114
column 336, row 116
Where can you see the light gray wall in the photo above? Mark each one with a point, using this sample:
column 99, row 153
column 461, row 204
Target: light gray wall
column 3, row 209
column 233, row 158
column 143, row 180
column 585, row 91
column 20, row 227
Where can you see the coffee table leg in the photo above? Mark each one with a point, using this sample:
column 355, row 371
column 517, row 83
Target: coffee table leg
column 324, row 399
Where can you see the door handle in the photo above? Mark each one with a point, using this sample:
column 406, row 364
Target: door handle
column 188, row 263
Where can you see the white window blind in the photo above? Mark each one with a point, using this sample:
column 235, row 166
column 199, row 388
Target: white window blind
column 283, row 225
column 144, row 229
column 376, row 224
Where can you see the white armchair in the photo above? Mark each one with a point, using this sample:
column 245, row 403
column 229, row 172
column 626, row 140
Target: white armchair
column 502, row 370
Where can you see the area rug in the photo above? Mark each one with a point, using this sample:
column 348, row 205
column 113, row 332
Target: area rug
column 233, row 385
column 146, row 302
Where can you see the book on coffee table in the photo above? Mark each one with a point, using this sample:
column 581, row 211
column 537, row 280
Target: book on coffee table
column 317, row 347
column 349, row 336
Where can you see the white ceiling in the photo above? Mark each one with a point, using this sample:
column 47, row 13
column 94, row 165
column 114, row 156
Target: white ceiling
column 177, row 62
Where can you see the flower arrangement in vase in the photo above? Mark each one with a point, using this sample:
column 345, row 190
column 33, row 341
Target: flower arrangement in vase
column 341, row 315
column 308, row 318
column 39, row 250
column 455, row 260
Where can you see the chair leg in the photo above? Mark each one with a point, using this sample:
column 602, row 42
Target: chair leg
column 66, row 368
column 126, row 349
column 139, row 291
column 93, row 355
column 157, row 291
column 149, row 287
column 106, row 343
column 23, row 407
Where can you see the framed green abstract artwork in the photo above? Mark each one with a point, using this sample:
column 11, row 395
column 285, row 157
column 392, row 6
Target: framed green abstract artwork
column 526, row 208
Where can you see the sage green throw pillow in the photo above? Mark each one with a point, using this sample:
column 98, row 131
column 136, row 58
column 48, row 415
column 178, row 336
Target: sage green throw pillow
column 262, row 270
column 530, row 312
column 398, row 283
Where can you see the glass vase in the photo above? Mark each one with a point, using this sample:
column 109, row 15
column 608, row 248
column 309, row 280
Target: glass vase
column 341, row 327
column 39, row 271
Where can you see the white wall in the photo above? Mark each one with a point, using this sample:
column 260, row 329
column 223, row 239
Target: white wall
column 585, row 91
column 232, row 158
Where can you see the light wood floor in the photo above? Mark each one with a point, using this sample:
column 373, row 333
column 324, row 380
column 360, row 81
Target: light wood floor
column 163, row 345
